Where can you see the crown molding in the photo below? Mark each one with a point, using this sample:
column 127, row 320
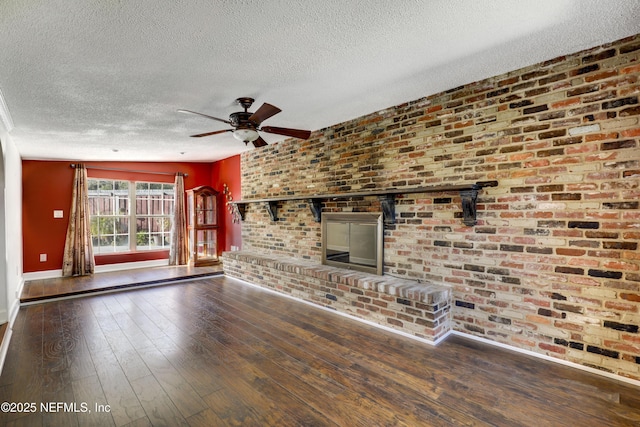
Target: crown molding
column 5, row 116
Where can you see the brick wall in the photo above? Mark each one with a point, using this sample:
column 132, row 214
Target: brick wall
column 553, row 264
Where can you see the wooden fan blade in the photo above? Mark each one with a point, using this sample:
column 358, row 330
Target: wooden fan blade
column 263, row 113
column 259, row 142
column 204, row 115
column 296, row 133
column 215, row 132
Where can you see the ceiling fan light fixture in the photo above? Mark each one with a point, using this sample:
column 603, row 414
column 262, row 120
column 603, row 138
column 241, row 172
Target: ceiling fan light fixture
column 245, row 135
column 245, row 124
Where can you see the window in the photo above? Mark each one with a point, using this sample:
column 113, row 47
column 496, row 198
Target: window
column 154, row 214
column 129, row 216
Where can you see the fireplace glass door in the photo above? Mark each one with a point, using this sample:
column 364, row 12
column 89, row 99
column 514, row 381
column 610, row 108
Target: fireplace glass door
column 353, row 241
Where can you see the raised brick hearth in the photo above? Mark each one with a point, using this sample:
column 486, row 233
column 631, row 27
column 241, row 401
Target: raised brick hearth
column 419, row 309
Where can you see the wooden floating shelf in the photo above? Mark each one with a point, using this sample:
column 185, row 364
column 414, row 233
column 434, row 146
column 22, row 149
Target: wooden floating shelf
column 387, row 197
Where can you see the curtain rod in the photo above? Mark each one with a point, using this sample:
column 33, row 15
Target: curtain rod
column 73, row 165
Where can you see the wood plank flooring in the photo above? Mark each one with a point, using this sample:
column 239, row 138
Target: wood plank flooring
column 218, row 352
column 44, row 289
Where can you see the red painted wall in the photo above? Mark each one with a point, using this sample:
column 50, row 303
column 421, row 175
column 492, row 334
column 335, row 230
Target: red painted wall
column 227, row 171
column 47, row 186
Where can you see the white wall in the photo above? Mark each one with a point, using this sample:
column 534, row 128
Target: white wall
column 4, row 305
column 10, row 233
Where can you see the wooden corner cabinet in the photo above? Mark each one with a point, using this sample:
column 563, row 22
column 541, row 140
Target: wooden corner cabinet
column 202, row 205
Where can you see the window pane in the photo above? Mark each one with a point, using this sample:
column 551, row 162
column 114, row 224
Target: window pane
column 93, row 207
column 142, row 240
column 110, row 206
column 122, row 243
column 158, row 225
column 142, row 233
column 142, row 224
column 142, row 205
column 106, row 244
column 167, row 206
column 105, row 225
column 155, row 205
column 94, row 227
column 107, row 205
column 105, row 187
column 122, row 225
column 123, row 206
column 157, row 241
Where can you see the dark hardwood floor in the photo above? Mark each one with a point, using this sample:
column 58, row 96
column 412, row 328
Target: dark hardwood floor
column 216, row 352
column 60, row 287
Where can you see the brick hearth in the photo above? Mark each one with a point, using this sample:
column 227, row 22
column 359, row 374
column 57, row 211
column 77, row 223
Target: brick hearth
column 420, row 309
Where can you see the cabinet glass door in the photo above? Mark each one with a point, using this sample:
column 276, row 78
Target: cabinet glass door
column 206, row 246
column 206, row 209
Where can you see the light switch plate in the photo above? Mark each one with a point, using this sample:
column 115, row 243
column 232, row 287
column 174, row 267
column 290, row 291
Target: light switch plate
column 58, row 213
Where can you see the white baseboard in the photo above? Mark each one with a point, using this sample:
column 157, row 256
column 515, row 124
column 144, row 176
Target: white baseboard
column 550, row 358
column 13, row 313
column 39, row 275
column 4, row 348
column 18, row 292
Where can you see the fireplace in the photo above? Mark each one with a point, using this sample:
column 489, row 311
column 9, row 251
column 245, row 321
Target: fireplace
column 353, row 240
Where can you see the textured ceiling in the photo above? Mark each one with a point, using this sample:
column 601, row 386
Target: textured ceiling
column 102, row 79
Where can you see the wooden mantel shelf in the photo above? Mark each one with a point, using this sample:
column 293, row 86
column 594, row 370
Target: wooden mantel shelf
column 468, row 193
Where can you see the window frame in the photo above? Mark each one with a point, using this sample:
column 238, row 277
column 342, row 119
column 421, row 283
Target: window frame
column 133, row 217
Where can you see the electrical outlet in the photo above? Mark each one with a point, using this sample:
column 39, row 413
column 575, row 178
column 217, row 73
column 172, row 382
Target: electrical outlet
column 58, row 213
column 43, row 257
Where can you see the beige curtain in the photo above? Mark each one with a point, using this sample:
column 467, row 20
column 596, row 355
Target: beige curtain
column 78, row 252
column 179, row 252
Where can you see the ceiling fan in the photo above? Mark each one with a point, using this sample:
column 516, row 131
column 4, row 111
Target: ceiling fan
column 247, row 124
